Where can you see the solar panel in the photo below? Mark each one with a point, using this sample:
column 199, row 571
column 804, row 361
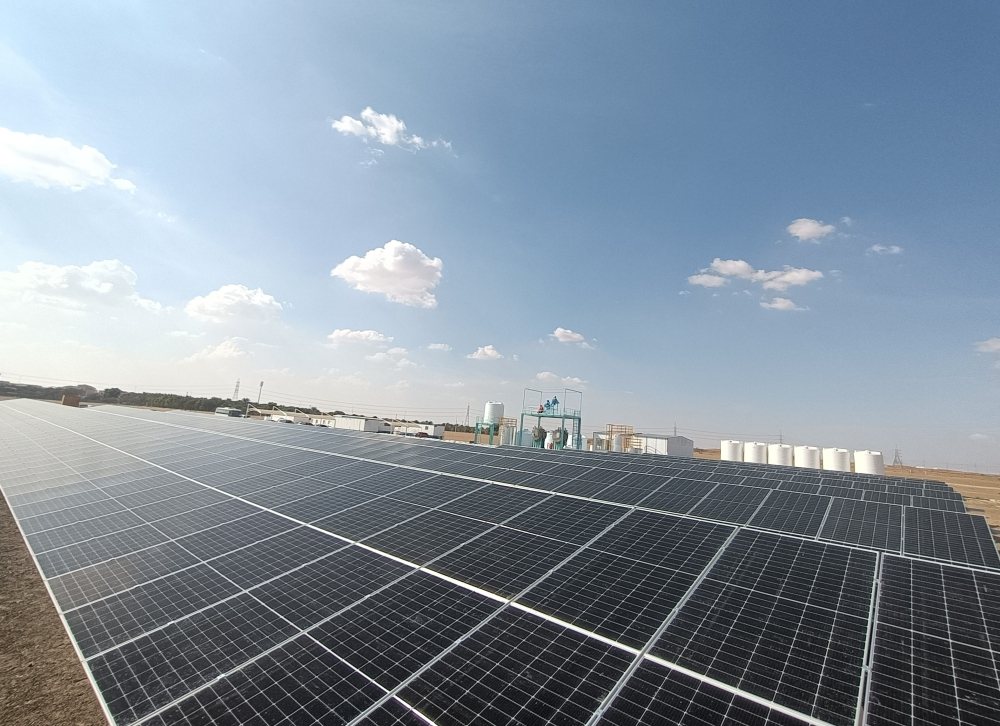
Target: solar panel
column 300, row 575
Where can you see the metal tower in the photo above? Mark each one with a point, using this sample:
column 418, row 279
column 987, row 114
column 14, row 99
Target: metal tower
column 897, row 459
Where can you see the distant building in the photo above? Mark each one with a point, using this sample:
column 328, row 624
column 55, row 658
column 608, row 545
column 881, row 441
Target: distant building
column 407, row 428
column 352, row 423
column 662, row 444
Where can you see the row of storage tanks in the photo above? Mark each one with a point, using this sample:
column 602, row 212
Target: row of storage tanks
column 807, row 457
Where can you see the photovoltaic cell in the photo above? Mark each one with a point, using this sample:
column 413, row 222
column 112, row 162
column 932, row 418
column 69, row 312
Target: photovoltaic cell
column 150, row 672
column 569, row 520
column 662, row 539
column 952, row 536
column 936, row 647
column 781, row 640
column 402, row 628
column 792, row 512
column 656, row 695
column 299, row 683
column 869, row 524
column 309, row 594
column 504, row 561
column 619, row 598
column 518, row 669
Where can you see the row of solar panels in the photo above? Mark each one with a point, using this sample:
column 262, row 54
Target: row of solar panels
column 299, row 623
column 949, row 536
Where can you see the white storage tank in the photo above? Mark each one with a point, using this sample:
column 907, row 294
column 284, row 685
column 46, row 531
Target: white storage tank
column 755, row 452
column 618, row 442
column 836, row 459
column 807, row 457
column 493, row 412
column 869, row 462
column 732, row 450
column 780, row 454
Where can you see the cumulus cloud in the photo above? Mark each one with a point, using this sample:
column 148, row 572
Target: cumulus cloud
column 386, row 129
column 228, row 349
column 49, row 161
column 720, row 271
column 990, row 345
column 703, row 280
column 346, row 335
column 570, row 337
column 394, row 356
column 879, row 249
column 809, row 230
column 550, row 377
column 780, row 303
column 439, row 346
column 105, row 282
column 485, row 352
column 233, row 301
column 398, row 270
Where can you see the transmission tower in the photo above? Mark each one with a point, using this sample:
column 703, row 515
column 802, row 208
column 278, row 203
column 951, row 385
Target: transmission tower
column 467, row 414
column 236, row 391
column 897, row 458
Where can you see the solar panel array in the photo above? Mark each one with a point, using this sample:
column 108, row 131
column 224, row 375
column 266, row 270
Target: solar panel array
column 218, row 571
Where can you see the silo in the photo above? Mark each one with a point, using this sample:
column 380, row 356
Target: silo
column 493, row 412
column 869, row 462
column 836, row 459
column 807, row 457
column 732, row 450
column 780, row 454
column 755, row 452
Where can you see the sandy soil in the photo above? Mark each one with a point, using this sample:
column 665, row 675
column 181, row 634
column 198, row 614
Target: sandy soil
column 42, row 682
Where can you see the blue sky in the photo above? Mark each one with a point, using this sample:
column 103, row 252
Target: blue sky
column 743, row 218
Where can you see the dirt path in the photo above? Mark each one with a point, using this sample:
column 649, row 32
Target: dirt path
column 42, row 682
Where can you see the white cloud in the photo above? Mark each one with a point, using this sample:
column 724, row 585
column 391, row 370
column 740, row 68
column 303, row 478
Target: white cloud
column 395, row 356
column 184, row 334
column 733, row 268
column 346, row 335
column 990, row 345
column 398, row 270
column 809, row 230
column 981, row 437
column 454, row 384
column 439, row 346
column 717, row 274
column 565, row 335
column 384, row 128
column 550, row 377
column 49, row 161
column 485, row 352
column 846, row 221
column 707, row 280
column 781, row 280
column 780, row 303
column 228, row 349
column 233, row 301
column 879, row 249
column 105, row 282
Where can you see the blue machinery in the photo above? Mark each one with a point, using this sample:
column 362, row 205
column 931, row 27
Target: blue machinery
column 563, row 406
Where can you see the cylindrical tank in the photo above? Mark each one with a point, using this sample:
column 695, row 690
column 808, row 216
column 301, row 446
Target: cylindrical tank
column 618, row 442
column 507, row 435
column 869, row 462
column 732, row 450
column 807, row 457
column 755, row 452
column 780, row 454
column 836, row 459
column 493, row 412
